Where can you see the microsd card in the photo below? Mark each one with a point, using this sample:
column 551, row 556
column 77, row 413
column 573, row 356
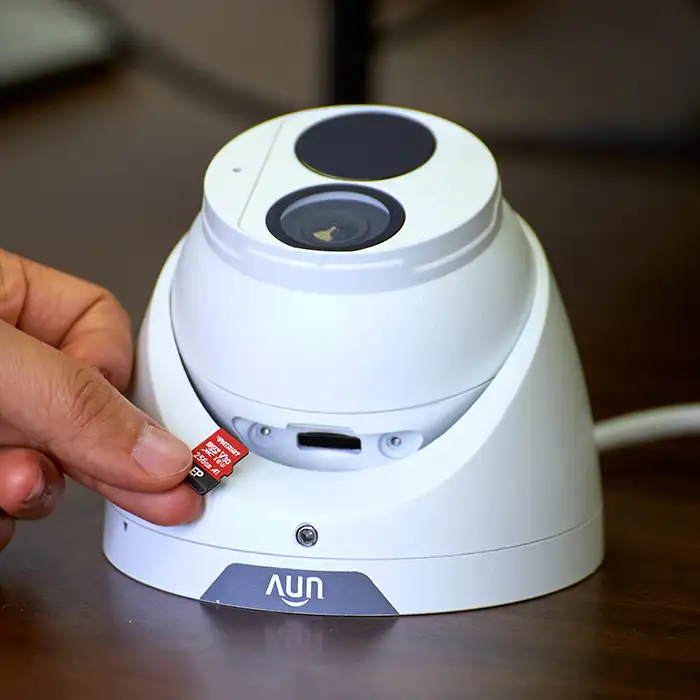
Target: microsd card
column 214, row 459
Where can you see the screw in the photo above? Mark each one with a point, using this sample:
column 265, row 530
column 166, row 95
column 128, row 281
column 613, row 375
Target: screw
column 265, row 431
column 395, row 441
column 307, row 536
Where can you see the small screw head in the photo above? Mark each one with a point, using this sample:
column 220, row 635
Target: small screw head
column 265, row 431
column 395, row 441
column 306, row 535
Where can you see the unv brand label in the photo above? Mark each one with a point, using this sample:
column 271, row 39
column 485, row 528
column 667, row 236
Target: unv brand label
column 296, row 591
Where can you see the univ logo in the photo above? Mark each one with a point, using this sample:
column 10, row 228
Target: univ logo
column 297, row 590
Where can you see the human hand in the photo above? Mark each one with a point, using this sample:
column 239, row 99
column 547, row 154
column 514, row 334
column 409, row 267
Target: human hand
column 65, row 355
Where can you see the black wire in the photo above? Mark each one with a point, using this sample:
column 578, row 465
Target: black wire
column 350, row 48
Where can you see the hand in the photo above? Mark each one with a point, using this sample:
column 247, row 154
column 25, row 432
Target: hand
column 65, row 355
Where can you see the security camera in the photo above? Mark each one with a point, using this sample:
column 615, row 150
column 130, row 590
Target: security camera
column 365, row 281
column 365, row 348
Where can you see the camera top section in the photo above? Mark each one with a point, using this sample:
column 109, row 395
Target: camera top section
column 276, row 217
column 366, row 146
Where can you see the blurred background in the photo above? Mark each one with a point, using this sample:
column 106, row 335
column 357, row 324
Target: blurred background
column 110, row 111
column 574, row 71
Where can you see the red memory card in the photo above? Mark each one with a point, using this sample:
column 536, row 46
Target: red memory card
column 213, row 459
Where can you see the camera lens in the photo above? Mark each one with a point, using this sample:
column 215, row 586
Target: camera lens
column 334, row 219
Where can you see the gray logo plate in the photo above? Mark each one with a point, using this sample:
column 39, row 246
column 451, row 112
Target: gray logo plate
column 294, row 591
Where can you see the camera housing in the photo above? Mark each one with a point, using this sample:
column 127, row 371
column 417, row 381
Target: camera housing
column 359, row 305
column 386, row 333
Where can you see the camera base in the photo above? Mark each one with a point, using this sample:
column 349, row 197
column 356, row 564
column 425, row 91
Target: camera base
column 351, row 587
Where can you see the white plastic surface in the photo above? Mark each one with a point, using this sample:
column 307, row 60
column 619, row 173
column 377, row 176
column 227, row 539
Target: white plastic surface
column 428, row 316
column 504, row 506
column 412, row 586
column 351, row 354
column 455, row 190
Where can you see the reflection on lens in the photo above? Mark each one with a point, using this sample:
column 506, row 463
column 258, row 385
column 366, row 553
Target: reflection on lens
column 335, row 220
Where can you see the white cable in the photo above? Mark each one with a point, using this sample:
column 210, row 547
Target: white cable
column 648, row 426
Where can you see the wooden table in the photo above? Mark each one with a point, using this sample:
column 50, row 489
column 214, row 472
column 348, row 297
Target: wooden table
column 103, row 180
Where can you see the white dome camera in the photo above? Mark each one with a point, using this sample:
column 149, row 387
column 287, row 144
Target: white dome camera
column 365, row 279
column 358, row 309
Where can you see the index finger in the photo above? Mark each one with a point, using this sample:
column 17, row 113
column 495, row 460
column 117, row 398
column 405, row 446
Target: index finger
column 80, row 318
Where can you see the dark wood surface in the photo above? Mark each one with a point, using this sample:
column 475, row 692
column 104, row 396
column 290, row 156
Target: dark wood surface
column 102, row 181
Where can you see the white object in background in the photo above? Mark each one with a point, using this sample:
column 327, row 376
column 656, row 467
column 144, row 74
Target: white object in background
column 44, row 38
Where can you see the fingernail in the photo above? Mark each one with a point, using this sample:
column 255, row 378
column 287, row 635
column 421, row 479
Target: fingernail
column 160, row 453
column 38, row 493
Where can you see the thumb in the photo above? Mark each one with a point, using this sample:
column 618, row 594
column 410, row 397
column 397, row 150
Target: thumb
column 73, row 414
